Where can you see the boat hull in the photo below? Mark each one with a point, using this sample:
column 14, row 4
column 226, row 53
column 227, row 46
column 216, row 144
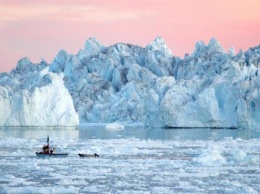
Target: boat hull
column 53, row 154
column 88, row 155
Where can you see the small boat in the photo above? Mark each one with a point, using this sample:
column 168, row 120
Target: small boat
column 53, row 154
column 89, row 155
column 47, row 151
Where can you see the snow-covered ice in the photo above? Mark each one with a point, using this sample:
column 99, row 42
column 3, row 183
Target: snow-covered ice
column 134, row 160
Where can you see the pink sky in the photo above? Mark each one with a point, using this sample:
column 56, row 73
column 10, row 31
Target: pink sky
column 39, row 29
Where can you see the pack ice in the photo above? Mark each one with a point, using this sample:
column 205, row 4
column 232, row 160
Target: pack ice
column 126, row 83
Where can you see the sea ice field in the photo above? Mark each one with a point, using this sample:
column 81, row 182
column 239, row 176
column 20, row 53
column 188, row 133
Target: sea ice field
column 133, row 159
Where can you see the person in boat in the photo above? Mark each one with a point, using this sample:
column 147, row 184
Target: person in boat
column 46, row 149
column 52, row 150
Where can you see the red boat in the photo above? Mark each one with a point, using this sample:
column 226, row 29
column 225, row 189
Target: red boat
column 47, row 151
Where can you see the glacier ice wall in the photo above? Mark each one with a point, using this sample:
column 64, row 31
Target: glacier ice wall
column 127, row 83
column 36, row 97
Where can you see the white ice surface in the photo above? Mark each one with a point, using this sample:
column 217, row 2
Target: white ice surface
column 129, row 165
column 42, row 100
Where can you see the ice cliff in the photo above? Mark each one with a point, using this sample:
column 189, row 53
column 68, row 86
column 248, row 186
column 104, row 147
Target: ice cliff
column 33, row 96
column 126, row 83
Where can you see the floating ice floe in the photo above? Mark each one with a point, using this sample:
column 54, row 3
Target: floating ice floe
column 210, row 157
column 115, row 126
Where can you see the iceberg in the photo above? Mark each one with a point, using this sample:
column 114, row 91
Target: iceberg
column 114, row 126
column 125, row 83
column 39, row 98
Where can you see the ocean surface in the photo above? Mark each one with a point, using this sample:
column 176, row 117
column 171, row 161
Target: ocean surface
column 133, row 160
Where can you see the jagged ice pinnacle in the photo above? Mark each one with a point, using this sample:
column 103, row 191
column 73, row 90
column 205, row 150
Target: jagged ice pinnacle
column 128, row 84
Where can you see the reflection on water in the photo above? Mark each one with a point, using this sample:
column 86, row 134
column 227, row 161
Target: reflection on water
column 99, row 132
column 39, row 132
column 166, row 134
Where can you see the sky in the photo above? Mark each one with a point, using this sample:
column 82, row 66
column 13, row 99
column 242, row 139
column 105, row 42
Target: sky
column 39, row 29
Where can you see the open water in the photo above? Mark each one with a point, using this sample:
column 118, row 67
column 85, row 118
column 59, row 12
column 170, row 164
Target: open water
column 133, row 160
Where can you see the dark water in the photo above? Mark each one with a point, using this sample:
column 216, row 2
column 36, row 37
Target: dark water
column 167, row 134
column 139, row 132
